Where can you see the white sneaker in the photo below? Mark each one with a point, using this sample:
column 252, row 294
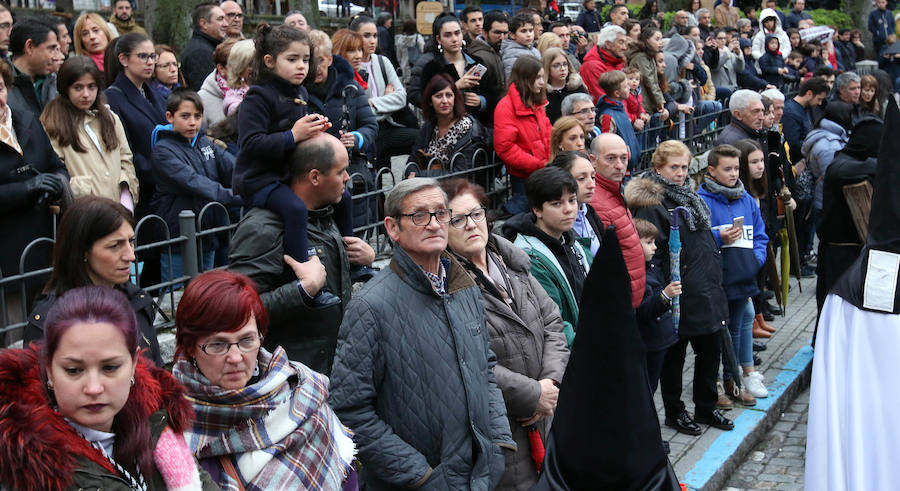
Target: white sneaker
column 754, row 385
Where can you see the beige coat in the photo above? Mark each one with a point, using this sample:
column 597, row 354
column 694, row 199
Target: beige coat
column 726, row 15
column 97, row 171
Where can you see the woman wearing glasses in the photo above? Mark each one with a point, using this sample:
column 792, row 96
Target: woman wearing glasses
column 261, row 419
column 167, row 75
column 561, row 80
column 524, row 325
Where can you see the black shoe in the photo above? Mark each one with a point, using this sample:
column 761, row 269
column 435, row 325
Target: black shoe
column 325, row 299
column 361, row 274
column 666, row 448
column 757, row 346
column 768, row 316
column 757, row 361
column 772, row 309
column 683, row 424
column 716, row 420
column 807, row 271
column 767, row 295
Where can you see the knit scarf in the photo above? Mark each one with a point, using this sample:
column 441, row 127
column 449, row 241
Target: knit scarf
column 684, row 195
column 280, row 431
column 731, row 193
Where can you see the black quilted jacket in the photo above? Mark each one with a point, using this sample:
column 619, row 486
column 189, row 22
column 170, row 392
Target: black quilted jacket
column 413, row 378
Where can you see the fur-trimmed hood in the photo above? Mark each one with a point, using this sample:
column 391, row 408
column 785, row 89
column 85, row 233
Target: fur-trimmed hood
column 643, row 193
column 38, row 448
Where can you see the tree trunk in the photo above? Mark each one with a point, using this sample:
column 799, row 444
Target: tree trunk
column 169, row 21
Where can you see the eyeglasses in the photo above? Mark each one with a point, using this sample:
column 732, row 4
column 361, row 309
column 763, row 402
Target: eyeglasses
column 219, row 348
column 587, row 110
column 460, row 221
column 166, row 66
column 5, row 26
column 234, row 15
column 146, row 56
column 423, row 218
column 559, row 66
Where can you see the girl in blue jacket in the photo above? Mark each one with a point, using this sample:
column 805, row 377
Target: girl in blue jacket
column 738, row 228
column 272, row 120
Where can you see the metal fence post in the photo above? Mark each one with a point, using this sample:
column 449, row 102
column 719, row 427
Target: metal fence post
column 188, row 225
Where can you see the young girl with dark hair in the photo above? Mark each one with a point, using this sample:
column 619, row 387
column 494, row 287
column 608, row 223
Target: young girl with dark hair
column 82, row 414
column 272, row 120
column 88, row 137
column 522, row 129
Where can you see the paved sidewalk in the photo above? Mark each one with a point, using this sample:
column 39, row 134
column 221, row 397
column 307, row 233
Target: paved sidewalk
column 778, row 462
column 707, row 461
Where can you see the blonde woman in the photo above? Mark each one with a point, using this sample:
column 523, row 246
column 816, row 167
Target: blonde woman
column 567, row 135
column 561, row 79
column 91, row 36
column 239, row 60
column 548, row 40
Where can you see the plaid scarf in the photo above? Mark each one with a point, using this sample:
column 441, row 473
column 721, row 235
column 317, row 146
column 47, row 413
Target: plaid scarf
column 280, row 430
column 684, row 195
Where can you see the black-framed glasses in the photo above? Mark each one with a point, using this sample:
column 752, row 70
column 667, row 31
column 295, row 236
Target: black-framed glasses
column 146, row 56
column 477, row 215
column 423, row 218
column 219, row 348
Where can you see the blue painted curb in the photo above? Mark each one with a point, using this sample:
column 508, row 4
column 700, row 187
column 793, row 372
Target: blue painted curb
column 728, row 442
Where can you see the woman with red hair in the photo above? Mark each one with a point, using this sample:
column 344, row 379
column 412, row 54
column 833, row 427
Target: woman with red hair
column 262, row 420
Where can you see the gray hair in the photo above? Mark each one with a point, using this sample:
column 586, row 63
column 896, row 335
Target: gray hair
column 702, row 11
column 773, row 95
column 393, row 205
column 743, row 22
column 742, row 98
column 568, row 104
column 844, row 79
column 608, row 34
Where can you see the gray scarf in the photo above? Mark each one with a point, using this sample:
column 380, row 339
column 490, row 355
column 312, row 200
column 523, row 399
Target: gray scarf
column 731, row 193
column 684, row 195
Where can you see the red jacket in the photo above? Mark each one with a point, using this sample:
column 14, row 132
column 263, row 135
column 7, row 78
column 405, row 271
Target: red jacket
column 609, row 204
column 598, row 61
column 634, row 105
column 521, row 134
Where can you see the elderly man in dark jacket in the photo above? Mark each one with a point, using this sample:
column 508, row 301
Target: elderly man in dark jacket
column 286, row 286
column 414, row 374
column 747, row 114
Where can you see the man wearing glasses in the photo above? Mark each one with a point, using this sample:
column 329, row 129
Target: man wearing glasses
column 123, row 19
column 318, row 170
column 234, row 18
column 559, row 261
column 413, row 374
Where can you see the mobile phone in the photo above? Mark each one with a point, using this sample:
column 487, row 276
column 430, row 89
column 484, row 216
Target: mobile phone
column 479, row 70
column 738, row 222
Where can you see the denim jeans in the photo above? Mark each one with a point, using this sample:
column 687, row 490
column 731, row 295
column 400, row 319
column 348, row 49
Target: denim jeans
column 178, row 265
column 740, row 325
column 706, row 111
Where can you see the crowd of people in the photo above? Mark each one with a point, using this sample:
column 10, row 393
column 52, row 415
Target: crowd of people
column 446, row 369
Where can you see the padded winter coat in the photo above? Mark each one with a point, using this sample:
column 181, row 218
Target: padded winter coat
column 197, row 58
column 704, row 307
column 530, row 346
column 654, row 315
column 742, row 259
column 510, row 51
column 610, row 206
column 521, row 135
column 598, row 61
column 653, row 95
column 759, row 40
column 414, row 379
column 612, row 118
column 819, row 148
column 726, row 70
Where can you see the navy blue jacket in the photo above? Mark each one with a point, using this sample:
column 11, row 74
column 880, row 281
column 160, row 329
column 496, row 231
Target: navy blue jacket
column 197, row 58
column 139, row 115
column 608, row 111
column 770, row 63
column 589, row 20
column 845, row 53
column 190, row 174
column 881, row 25
column 796, row 123
column 749, row 78
column 265, row 119
column 361, row 120
column 793, row 19
column 654, row 314
column 742, row 259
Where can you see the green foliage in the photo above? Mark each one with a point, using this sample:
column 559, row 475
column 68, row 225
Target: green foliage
column 632, row 7
column 833, row 18
column 172, row 23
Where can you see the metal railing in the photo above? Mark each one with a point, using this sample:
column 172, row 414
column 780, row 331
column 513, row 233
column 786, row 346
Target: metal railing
column 487, row 170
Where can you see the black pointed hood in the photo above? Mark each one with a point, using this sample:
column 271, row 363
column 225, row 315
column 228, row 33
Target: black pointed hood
column 874, row 276
column 605, row 432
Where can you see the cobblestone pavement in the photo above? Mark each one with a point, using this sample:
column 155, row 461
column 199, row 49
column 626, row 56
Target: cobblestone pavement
column 778, row 461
